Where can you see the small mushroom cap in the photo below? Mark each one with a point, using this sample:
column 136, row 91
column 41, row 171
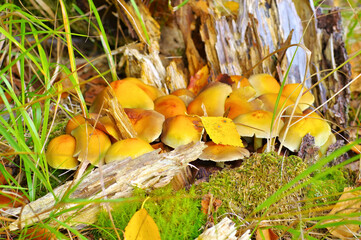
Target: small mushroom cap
column 130, row 95
column 264, row 83
column 147, row 123
column 77, row 120
column 284, row 104
column 210, row 102
column 239, row 81
column 107, row 125
column 131, row 147
column 239, row 102
column 181, row 130
column 258, row 124
column 60, row 152
column 91, row 144
column 292, row 91
column 170, row 106
column 223, row 153
column 98, row 104
column 313, row 124
column 151, row 91
column 186, row 95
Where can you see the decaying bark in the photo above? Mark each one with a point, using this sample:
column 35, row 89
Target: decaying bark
column 111, row 181
column 242, row 45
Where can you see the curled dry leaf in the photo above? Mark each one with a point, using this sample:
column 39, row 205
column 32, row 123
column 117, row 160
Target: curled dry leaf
column 349, row 202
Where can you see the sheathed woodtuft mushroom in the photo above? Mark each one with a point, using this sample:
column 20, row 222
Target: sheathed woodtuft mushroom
column 147, row 123
column 91, row 144
column 300, row 126
column 170, row 106
column 130, row 147
column 181, row 130
column 60, row 152
column 210, row 102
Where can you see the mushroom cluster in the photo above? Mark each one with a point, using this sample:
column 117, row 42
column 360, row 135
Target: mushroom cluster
column 175, row 120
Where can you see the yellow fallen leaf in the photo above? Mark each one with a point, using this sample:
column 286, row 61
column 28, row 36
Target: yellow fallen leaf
column 222, row 131
column 344, row 207
column 141, row 227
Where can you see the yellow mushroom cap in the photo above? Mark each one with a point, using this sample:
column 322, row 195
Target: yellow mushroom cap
column 186, row 95
column 99, row 104
column 147, row 123
column 151, row 91
column 258, row 124
column 91, row 144
column 292, row 91
column 300, row 126
column 239, row 102
column 77, row 120
column 60, row 152
column 264, row 83
column 284, row 105
column 107, row 125
column 130, row 95
column 170, row 106
column 131, row 147
column 223, row 153
column 210, row 101
column 181, row 130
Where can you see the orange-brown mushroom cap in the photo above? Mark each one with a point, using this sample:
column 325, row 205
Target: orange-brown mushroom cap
column 130, row 95
column 264, row 83
column 223, row 153
column 181, row 130
column 91, row 144
column 60, row 152
column 186, row 95
column 130, row 147
column 77, row 120
column 258, row 124
column 147, row 123
column 300, row 126
column 239, row 102
column 210, row 102
column 151, row 91
column 170, row 106
column 285, row 106
column 292, row 91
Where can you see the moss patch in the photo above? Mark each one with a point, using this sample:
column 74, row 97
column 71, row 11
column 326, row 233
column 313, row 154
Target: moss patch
column 243, row 189
column 177, row 214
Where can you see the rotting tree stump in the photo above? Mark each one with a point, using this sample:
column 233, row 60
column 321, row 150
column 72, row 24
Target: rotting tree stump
column 233, row 44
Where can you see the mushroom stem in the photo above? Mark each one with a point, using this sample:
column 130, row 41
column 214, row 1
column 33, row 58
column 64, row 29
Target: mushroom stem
column 257, row 143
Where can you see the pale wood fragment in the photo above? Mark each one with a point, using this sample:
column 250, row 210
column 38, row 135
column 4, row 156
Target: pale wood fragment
column 111, row 181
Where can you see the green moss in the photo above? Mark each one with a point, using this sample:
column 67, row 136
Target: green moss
column 177, row 214
column 327, row 188
column 243, row 189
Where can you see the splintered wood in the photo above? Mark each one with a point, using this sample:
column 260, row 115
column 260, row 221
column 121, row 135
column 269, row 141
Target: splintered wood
column 111, row 181
column 117, row 113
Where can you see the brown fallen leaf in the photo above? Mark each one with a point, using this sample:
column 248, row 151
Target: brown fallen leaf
column 264, row 233
column 9, row 199
column 141, row 227
column 210, row 204
column 345, row 207
column 38, row 233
